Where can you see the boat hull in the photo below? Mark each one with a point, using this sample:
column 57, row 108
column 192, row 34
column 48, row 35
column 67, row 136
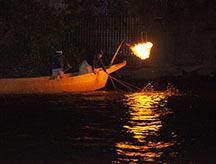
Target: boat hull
column 70, row 83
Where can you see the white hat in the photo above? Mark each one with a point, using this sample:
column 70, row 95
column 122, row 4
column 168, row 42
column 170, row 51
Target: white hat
column 59, row 52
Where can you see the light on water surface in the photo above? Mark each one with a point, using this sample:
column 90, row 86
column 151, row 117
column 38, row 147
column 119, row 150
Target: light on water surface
column 144, row 123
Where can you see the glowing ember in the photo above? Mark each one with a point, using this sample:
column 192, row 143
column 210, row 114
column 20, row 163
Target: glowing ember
column 142, row 50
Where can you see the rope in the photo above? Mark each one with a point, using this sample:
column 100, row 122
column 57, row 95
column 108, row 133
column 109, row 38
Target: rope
column 115, row 87
column 128, row 84
column 122, row 83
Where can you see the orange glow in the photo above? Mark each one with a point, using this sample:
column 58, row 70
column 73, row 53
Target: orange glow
column 142, row 50
column 143, row 118
column 144, row 123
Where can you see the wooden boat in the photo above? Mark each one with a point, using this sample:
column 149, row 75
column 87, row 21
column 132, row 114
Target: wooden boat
column 70, row 83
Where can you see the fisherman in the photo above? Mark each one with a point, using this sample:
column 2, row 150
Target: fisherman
column 92, row 60
column 58, row 63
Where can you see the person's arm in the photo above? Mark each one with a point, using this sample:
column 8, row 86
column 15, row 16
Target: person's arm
column 93, row 69
column 67, row 63
column 93, row 65
column 102, row 65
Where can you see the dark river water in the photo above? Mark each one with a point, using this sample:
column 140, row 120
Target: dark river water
column 108, row 127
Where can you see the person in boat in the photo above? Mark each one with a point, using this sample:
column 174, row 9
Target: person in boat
column 91, row 61
column 58, row 64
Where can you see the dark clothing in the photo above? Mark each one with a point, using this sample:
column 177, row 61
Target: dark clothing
column 89, row 59
column 93, row 60
column 58, row 62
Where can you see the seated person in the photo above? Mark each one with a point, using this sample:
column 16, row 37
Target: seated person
column 58, row 63
column 91, row 61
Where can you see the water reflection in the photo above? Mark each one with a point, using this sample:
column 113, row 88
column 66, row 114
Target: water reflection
column 143, row 127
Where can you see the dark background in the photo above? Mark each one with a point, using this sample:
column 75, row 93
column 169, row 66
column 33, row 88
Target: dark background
column 183, row 32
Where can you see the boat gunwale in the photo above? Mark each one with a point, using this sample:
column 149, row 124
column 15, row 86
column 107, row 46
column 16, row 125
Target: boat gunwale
column 67, row 75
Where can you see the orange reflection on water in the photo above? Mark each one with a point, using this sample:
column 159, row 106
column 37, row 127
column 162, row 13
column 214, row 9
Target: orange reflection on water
column 145, row 111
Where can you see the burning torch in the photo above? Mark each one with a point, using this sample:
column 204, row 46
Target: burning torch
column 142, row 49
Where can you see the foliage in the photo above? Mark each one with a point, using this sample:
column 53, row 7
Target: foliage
column 31, row 30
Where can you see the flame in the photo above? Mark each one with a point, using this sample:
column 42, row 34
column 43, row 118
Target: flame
column 142, row 50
